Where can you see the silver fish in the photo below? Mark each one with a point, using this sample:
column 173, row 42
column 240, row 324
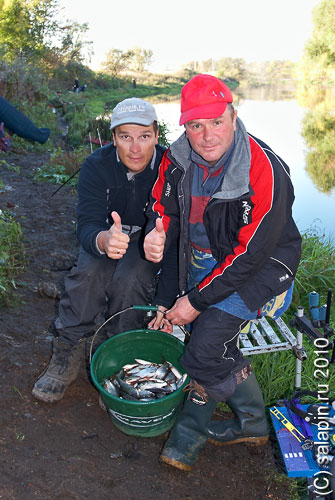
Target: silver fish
column 153, row 385
column 145, row 371
column 173, row 386
column 111, row 387
column 145, row 381
column 162, row 371
column 174, row 370
column 181, row 381
column 129, row 366
column 143, row 362
column 127, row 388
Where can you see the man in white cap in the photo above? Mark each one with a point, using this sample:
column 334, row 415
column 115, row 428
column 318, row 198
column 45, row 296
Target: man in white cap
column 111, row 273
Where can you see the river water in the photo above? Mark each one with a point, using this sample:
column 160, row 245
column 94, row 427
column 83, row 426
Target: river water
column 278, row 123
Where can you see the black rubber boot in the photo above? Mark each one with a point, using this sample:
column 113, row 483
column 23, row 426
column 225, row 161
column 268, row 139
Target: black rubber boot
column 62, row 370
column 250, row 425
column 188, row 435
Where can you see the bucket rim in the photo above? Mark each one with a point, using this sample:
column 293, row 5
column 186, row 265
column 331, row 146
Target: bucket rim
column 126, row 401
column 138, row 330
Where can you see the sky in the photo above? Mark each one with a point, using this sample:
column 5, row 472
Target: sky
column 180, row 31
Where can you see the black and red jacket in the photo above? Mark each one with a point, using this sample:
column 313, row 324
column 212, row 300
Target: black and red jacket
column 248, row 221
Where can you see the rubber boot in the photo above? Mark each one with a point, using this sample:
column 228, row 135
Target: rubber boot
column 189, row 434
column 62, row 370
column 250, row 425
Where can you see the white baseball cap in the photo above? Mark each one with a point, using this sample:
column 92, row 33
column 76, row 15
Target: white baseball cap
column 133, row 110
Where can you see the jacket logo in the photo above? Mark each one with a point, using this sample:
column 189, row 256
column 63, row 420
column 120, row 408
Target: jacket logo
column 246, row 211
column 284, row 278
column 168, row 190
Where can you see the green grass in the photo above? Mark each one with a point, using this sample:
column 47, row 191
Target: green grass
column 12, row 259
column 100, row 101
column 316, row 269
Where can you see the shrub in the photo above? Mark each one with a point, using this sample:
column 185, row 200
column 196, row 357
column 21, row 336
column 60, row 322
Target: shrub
column 22, row 81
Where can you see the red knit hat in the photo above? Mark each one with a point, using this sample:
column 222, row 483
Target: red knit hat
column 204, row 96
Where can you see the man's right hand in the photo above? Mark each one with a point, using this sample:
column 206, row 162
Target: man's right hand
column 154, row 242
column 114, row 242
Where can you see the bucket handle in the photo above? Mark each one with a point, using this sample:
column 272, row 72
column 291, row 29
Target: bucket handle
column 134, row 308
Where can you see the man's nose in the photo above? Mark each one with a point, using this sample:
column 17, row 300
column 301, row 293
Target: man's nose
column 135, row 147
column 207, row 133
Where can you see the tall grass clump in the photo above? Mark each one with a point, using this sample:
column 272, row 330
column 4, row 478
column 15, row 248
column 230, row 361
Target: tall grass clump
column 316, row 269
column 78, row 118
column 11, row 255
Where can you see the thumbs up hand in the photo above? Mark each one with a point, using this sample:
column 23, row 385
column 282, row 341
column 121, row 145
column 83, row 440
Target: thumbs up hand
column 154, row 242
column 117, row 226
column 114, row 242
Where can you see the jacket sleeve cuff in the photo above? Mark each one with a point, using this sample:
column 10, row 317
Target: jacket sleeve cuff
column 96, row 244
column 193, row 297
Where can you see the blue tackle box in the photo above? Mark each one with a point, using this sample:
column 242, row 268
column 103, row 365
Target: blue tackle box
column 300, row 462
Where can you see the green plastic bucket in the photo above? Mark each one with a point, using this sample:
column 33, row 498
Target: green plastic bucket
column 131, row 417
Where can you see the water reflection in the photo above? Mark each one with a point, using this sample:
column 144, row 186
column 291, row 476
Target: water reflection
column 318, row 130
column 266, row 93
column 169, row 112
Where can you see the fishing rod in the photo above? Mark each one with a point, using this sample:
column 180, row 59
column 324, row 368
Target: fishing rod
column 67, row 180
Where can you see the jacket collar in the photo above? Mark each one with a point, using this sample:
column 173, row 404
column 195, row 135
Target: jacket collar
column 236, row 179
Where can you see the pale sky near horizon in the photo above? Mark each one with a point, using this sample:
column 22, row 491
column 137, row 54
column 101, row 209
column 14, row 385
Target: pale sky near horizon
column 180, row 31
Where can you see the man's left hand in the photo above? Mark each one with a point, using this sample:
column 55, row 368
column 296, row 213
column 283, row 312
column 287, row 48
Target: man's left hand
column 154, row 242
column 182, row 313
column 159, row 322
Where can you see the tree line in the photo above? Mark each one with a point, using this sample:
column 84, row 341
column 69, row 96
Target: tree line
column 33, row 36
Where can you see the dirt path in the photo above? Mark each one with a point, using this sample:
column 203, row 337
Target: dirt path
column 71, row 450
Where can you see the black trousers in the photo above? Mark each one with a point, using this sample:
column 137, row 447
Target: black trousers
column 212, row 356
column 96, row 288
